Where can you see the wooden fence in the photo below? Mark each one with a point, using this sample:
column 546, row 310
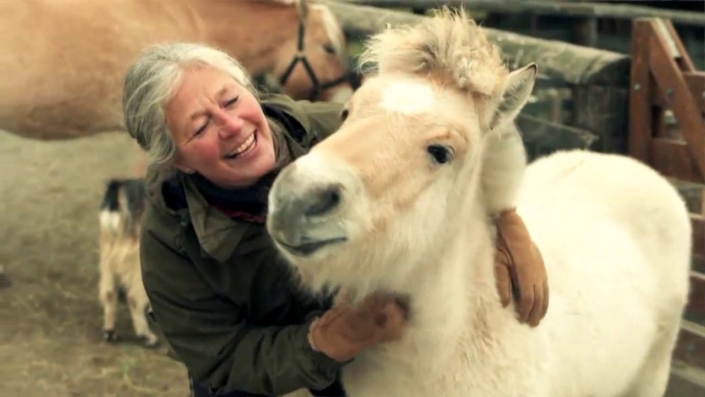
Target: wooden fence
column 649, row 104
column 581, row 96
column 664, row 81
column 604, row 24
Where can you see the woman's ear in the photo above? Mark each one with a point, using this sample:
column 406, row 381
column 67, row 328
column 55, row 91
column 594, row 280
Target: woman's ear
column 178, row 163
column 186, row 170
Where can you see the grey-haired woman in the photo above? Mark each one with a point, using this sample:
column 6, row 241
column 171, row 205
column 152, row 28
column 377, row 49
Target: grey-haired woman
column 220, row 294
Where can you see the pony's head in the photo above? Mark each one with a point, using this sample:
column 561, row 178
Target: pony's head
column 314, row 64
column 389, row 189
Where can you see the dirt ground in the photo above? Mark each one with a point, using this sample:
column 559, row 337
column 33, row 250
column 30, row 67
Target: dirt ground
column 50, row 317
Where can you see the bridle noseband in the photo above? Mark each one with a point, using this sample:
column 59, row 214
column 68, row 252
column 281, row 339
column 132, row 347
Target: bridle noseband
column 318, row 88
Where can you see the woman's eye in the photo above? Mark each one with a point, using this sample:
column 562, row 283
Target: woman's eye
column 440, row 154
column 232, row 101
column 200, row 130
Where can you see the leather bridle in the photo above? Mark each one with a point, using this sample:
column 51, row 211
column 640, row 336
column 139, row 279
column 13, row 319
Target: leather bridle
column 318, row 87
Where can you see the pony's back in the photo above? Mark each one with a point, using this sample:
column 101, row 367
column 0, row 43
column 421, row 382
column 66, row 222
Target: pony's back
column 616, row 239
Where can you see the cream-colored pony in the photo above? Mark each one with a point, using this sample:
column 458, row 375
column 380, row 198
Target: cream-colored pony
column 393, row 202
column 63, row 61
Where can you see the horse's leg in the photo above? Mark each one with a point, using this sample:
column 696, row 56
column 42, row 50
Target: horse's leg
column 139, row 303
column 652, row 379
column 107, row 291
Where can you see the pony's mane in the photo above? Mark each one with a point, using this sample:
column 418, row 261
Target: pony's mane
column 450, row 47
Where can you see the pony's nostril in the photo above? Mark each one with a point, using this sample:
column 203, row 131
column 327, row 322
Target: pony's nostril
column 323, row 200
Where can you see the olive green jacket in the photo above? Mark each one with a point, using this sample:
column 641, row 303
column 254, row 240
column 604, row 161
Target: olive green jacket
column 220, row 293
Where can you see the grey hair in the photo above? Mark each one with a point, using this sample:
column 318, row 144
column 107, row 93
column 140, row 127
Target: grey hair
column 154, row 78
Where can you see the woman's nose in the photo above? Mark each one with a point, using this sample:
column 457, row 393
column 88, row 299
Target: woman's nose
column 229, row 124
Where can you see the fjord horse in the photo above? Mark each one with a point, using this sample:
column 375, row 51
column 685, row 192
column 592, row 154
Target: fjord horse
column 393, row 202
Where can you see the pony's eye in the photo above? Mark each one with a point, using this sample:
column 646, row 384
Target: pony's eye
column 344, row 114
column 329, row 49
column 440, row 154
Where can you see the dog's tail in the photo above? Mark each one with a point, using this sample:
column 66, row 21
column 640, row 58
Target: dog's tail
column 123, row 205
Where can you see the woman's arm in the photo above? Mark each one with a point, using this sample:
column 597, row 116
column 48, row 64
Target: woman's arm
column 214, row 342
column 503, row 170
column 519, row 266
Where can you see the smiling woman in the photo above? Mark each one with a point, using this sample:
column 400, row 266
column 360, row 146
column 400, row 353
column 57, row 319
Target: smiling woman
column 221, row 294
column 219, row 129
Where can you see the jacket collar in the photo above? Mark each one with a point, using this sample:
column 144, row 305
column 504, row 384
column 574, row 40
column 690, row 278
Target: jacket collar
column 218, row 235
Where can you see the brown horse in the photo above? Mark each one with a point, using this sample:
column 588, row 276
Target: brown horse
column 63, row 61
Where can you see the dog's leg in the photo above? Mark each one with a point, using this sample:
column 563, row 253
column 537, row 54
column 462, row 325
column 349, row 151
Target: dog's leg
column 139, row 303
column 108, row 292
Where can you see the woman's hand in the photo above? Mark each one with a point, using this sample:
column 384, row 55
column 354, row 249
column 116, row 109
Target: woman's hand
column 344, row 331
column 519, row 269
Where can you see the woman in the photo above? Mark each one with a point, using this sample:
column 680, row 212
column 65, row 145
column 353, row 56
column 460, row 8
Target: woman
column 220, row 293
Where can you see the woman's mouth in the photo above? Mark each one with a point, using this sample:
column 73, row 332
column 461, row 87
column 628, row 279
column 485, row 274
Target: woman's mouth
column 244, row 148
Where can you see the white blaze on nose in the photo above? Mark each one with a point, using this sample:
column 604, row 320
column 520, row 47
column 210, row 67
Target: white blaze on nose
column 314, row 166
column 408, row 97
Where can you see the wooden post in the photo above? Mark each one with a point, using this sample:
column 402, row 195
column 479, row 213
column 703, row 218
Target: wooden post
column 585, row 32
column 640, row 112
column 665, row 60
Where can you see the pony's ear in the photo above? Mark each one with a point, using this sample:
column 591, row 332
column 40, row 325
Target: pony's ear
column 517, row 90
column 302, row 8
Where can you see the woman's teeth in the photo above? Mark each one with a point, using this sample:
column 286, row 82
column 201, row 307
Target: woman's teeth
column 246, row 146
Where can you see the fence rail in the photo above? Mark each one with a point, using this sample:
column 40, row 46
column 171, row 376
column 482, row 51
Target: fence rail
column 580, row 9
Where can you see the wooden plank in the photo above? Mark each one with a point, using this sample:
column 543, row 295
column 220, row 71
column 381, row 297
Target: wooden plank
column 684, row 60
column 604, row 111
column 670, row 80
column 696, row 84
column 695, row 310
column 562, row 61
column 582, row 9
column 698, row 223
column 698, row 263
column 685, row 381
column 585, row 32
column 690, row 347
column 672, row 158
column 542, row 137
column 640, row 113
column 549, row 104
column 692, row 193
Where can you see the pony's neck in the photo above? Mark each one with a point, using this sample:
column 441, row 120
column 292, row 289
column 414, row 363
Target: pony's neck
column 454, row 292
column 252, row 32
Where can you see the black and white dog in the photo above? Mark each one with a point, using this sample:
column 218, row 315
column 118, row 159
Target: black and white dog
column 120, row 275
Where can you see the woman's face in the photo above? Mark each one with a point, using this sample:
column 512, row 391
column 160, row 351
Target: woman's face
column 219, row 129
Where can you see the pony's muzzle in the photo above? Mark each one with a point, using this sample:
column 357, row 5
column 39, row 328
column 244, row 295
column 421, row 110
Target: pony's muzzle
column 321, row 200
column 301, row 212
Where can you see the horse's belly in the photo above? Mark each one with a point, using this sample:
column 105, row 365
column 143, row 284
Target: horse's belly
column 373, row 378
